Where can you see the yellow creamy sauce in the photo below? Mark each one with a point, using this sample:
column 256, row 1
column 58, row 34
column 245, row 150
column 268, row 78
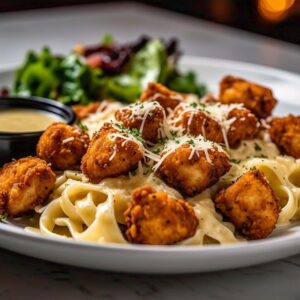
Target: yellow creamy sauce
column 26, row 120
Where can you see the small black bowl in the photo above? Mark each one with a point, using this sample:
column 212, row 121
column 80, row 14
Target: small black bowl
column 14, row 145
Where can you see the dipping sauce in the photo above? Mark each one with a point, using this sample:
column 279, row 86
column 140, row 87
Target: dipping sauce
column 26, row 120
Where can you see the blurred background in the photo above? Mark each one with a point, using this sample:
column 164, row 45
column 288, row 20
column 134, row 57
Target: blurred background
column 279, row 19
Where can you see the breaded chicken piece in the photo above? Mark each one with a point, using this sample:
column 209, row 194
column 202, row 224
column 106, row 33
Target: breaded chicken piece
column 24, row 184
column 285, row 133
column 83, row 111
column 155, row 218
column 244, row 127
column 147, row 117
column 167, row 98
column 250, row 204
column 258, row 99
column 62, row 146
column 192, row 175
column 196, row 122
column 209, row 99
column 109, row 155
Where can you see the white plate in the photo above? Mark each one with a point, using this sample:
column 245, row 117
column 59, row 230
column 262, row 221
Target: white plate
column 174, row 259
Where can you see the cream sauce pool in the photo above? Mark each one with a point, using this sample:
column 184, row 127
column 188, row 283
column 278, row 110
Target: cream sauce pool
column 26, row 120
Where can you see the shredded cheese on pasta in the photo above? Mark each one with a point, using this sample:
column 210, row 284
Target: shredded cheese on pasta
column 84, row 211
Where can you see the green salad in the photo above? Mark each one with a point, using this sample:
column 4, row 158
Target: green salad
column 106, row 70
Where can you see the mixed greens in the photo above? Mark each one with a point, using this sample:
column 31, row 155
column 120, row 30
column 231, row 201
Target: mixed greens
column 107, row 70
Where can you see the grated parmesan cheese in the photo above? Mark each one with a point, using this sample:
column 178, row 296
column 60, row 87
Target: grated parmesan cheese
column 141, row 110
column 67, row 140
column 114, row 153
column 196, row 144
column 216, row 111
column 105, row 113
column 127, row 137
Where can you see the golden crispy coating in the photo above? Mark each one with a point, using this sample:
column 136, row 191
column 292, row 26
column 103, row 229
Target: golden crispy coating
column 258, row 99
column 192, row 175
column 167, row 98
column 155, row 218
column 285, row 133
column 209, row 99
column 62, row 146
column 197, row 123
column 244, row 127
column 24, row 184
column 83, row 111
column 250, row 204
column 151, row 121
column 109, row 156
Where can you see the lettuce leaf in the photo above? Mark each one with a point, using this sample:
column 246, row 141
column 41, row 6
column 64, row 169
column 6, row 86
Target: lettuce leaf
column 71, row 80
column 79, row 82
column 148, row 64
column 186, row 83
column 38, row 75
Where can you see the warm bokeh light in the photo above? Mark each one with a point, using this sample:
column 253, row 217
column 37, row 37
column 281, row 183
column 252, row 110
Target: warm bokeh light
column 274, row 10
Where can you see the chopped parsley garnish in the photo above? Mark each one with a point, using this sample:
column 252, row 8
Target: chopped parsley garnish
column 163, row 140
column 3, row 217
column 133, row 173
column 83, row 127
column 156, row 150
column 174, row 133
column 235, row 161
column 119, row 126
column 191, row 142
column 203, row 108
column 257, row 147
column 146, row 172
column 253, row 168
column 177, row 141
column 133, row 132
column 200, row 106
column 263, row 156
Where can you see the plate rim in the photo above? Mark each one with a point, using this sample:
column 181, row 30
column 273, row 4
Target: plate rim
column 18, row 232
column 279, row 242
column 236, row 64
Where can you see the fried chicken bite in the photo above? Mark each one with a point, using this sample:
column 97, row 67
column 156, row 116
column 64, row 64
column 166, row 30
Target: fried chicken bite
column 258, row 99
column 62, row 146
column 167, row 98
column 201, row 121
column 244, row 127
column 147, row 117
column 110, row 155
column 24, row 184
column 83, row 111
column 250, row 204
column 191, row 173
column 285, row 133
column 196, row 122
column 155, row 218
